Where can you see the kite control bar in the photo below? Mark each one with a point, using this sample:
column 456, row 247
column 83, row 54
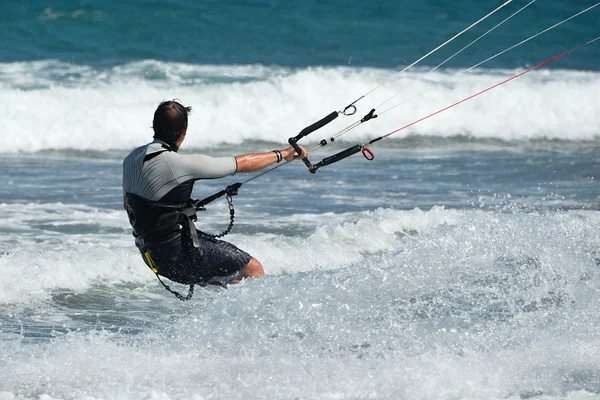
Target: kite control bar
column 349, row 110
column 343, row 154
column 293, row 141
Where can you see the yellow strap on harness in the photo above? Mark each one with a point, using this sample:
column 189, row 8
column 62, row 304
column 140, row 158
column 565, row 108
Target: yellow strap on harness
column 150, row 262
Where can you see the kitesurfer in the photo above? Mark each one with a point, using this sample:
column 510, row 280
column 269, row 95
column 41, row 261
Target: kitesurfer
column 157, row 188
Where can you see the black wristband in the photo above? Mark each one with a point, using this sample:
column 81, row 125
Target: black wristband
column 278, row 154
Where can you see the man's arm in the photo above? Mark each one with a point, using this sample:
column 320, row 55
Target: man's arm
column 253, row 162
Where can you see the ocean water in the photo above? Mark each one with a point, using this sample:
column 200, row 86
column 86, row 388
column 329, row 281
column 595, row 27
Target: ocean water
column 462, row 262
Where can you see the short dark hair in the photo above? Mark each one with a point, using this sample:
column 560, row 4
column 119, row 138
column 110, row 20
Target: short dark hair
column 170, row 120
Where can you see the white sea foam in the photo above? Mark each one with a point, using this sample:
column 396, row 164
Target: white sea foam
column 474, row 303
column 74, row 261
column 52, row 105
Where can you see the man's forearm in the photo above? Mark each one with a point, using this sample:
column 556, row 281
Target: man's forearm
column 253, row 162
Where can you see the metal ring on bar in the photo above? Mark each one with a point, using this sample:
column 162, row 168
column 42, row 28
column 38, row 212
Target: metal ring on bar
column 349, row 110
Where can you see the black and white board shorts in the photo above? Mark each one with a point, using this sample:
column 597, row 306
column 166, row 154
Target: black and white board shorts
column 213, row 262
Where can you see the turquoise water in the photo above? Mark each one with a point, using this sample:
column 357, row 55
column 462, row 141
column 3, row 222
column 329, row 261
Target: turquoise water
column 383, row 33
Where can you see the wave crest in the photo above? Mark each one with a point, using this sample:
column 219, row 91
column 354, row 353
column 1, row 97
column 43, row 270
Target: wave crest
column 53, row 105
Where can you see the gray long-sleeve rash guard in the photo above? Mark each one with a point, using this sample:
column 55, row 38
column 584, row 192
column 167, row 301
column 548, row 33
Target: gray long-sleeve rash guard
column 160, row 174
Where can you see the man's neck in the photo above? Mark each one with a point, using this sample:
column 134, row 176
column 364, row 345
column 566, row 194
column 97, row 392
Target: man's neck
column 168, row 146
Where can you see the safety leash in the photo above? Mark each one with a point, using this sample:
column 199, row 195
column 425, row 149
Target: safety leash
column 150, row 262
column 177, row 294
column 230, row 191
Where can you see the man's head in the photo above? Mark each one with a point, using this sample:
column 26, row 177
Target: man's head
column 170, row 122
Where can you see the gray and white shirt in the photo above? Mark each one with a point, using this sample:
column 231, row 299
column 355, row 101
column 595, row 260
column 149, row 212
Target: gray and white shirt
column 152, row 172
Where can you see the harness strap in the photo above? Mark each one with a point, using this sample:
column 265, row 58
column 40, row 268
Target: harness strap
column 191, row 228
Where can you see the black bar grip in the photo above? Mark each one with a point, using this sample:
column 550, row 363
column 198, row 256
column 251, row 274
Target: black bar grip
column 317, row 125
column 293, row 141
column 336, row 157
column 305, row 160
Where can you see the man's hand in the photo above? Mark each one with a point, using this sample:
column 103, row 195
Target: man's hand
column 289, row 154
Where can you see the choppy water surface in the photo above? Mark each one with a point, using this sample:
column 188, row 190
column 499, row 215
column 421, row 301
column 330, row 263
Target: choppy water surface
column 461, row 263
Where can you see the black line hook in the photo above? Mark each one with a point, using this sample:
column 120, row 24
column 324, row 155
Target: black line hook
column 369, row 116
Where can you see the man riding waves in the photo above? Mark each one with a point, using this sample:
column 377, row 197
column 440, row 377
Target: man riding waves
column 157, row 188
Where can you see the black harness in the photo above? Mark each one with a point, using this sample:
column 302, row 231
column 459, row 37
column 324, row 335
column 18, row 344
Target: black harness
column 154, row 222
